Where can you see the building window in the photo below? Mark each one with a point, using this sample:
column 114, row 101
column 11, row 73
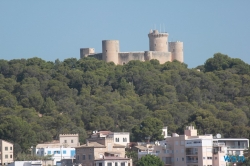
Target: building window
column 56, row 152
column 77, row 157
column 204, row 158
column 176, row 143
column 11, row 148
column 72, row 141
column 83, row 157
column 64, row 152
column 109, row 164
column 116, row 139
column 209, row 158
column 100, row 164
column 215, row 158
column 123, row 164
column 6, row 148
column 49, row 152
column 65, row 141
column 124, row 139
column 176, row 159
column 6, row 156
column 182, row 158
column 90, row 156
column 116, row 164
column 11, row 156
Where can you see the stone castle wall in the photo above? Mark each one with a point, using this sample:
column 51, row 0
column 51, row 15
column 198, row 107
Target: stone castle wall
column 159, row 49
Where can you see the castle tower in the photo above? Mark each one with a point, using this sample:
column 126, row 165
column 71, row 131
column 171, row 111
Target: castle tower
column 176, row 48
column 85, row 52
column 110, row 50
column 158, row 41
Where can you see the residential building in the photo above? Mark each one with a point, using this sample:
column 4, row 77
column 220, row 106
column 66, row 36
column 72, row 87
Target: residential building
column 192, row 149
column 64, row 148
column 57, row 153
column 121, row 138
column 104, row 149
column 26, row 163
column 6, row 152
column 113, row 161
column 65, row 140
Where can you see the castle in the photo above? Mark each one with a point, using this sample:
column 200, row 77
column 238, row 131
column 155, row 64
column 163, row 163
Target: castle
column 159, row 48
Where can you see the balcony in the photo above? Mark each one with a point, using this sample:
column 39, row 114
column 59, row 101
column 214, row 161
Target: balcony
column 192, row 161
column 236, row 147
column 145, row 153
column 218, row 144
column 191, row 153
column 165, row 146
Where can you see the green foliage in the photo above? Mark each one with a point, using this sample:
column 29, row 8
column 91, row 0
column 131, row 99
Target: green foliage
column 150, row 160
column 132, row 155
column 40, row 100
column 150, row 128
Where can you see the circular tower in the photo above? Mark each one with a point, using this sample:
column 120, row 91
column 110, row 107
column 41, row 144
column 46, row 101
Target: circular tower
column 85, row 52
column 158, row 41
column 176, row 48
column 110, row 50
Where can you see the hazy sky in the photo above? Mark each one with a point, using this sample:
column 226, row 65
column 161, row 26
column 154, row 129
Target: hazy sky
column 59, row 28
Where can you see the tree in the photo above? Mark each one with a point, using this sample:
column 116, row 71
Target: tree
column 149, row 129
column 150, row 160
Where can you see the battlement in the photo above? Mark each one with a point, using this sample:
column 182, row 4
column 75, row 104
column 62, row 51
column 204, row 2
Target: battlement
column 158, row 35
column 69, row 135
column 159, row 49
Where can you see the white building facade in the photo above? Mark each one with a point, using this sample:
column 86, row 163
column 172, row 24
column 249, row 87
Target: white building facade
column 57, row 153
column 191, row 149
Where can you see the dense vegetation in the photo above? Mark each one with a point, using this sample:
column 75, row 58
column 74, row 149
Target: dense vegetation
column 39, row 99
column 150, row 160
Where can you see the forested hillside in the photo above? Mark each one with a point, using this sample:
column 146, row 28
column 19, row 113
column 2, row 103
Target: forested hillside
column 39, row 99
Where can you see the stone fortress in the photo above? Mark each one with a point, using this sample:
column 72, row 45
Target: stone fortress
column 159, row 48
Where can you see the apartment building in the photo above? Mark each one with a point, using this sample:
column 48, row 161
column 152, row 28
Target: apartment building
column 57, row 154
column 6, row 152
column 191, row 149
column 65, row 140
column 104, row 149
column 64, row 148
column 121, row 138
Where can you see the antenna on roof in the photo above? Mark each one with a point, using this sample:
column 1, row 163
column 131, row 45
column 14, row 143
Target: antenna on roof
column 160, row 28
column 164, row 28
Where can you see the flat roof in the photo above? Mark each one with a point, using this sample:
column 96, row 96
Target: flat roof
column 230, row 139
column 112, row 158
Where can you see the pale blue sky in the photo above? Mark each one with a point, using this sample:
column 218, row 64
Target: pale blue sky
column 59, row 28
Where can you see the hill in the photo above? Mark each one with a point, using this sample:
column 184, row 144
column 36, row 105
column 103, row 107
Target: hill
column 39, row 99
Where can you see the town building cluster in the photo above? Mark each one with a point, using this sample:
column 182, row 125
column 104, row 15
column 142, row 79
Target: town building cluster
column 106, row 148
column 159, row 48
